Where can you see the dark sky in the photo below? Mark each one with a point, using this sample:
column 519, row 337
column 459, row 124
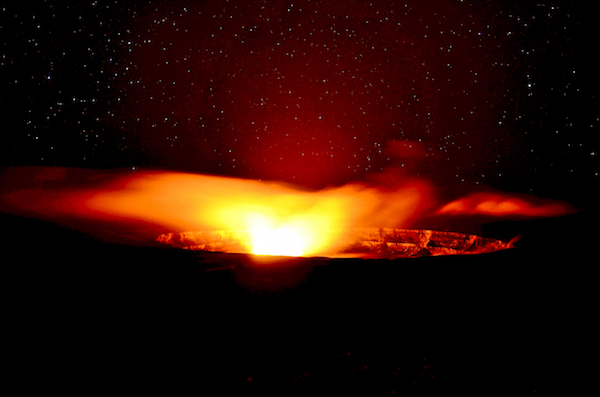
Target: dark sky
column 316, row 93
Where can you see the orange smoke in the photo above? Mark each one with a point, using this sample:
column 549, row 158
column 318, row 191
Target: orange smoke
column 504, row 205
column 281, row 219
column 277, row 219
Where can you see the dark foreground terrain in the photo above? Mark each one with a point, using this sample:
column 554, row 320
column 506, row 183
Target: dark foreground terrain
column 85, row 315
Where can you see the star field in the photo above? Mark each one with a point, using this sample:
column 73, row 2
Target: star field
column 313, row 93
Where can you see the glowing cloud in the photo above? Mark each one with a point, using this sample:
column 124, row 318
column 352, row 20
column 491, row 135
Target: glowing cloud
column 503, row 205
column 276, row 214
column 269, row 218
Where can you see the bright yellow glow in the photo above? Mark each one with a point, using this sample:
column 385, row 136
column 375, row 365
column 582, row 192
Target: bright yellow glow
column 282, row 241
column 285, row 240
column 276, row 219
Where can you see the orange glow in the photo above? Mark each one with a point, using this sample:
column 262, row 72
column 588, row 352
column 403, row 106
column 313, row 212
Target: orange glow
column 502, row 204
column 368, row 243
column 247, row 216
column 279, row 219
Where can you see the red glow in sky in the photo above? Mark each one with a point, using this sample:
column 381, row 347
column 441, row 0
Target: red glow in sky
column 312, row 93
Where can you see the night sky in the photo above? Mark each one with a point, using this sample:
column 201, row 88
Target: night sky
column 469, row 97
column 314, row 93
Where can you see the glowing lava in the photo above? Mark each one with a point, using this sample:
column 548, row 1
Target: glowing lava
column 369, row 243
column 282, row 241
column 256, row 217
column 285, row 240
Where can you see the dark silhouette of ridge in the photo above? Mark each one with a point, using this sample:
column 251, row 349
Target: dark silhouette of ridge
column 84, row 314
